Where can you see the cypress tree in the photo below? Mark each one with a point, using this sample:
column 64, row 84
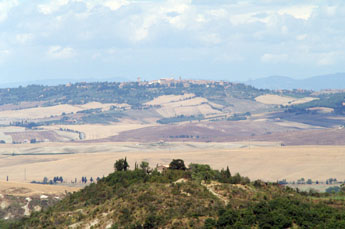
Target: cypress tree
column 227, row 172
column 125, row 165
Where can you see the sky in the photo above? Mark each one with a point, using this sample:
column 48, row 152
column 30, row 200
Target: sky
column 194, row 39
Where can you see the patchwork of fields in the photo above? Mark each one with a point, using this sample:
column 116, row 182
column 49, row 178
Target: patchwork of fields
column 258, row 133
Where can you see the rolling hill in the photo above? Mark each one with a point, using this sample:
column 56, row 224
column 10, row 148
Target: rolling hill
column 167, row 109
column 199, row 197
column 77, row 130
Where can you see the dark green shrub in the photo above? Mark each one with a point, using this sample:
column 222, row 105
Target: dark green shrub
column 177, row 164
column 210, row 223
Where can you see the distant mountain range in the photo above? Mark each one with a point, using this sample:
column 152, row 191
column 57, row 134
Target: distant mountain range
column 316, row 83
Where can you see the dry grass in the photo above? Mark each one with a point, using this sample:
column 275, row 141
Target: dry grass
column 26, row 136
column 97, row 131
column 12, row 129
column 39, row 112
column 5, row 133
column 298, row 125
column 21, row 105
column 104, row 106
column 282, row 100
column 25, row 189
column 169, row 98
column 19, row 134
column 266, row 161
column 188, row 110
column 188, row 104
column 45, row 112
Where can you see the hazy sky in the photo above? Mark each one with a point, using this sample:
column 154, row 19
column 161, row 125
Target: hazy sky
column 214, row 39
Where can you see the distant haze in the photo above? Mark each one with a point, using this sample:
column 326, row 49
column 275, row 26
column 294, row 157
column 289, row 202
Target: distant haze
column 316, row 83
column 332, row 81
column 54, row 82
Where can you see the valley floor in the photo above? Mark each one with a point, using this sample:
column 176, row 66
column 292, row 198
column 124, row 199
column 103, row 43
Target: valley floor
column 258, row 160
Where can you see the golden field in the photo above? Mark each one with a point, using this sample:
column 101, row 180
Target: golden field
column 257, row 160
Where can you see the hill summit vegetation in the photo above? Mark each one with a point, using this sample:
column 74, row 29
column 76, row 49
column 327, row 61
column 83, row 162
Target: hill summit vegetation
column 181, row 197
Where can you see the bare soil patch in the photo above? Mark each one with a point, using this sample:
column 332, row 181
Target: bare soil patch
column 220, row 131
column 333, row 136
column 26, row 136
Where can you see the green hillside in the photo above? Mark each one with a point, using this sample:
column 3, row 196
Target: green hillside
column 198, row 197
column 133, row 93
column 333, row 100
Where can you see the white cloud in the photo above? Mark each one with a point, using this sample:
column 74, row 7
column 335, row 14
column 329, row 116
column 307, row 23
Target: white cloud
column 59, row 52
column 218, row 13
column 299, row 12
column 55, row 5
column 115, row 4
column 211, row 38
column 177, row 6
column 331, row 10
column 229, row 57
column 328, row 58
column 274, row 58
column 111, row 51
column 141, row 27
column 52, row 6
column 4, row 54
column 301, row 37
column 180, row 8
column 175, row 12
column 5, row 7
column 267, row 15
column 239, row 19
column 276, row 32
column 23, row 38
column 284, row 29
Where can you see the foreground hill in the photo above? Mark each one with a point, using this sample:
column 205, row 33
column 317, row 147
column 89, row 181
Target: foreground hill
column 21, row 199
column 176, row 198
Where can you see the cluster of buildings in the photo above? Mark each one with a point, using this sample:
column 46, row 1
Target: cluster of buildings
column 186, row 83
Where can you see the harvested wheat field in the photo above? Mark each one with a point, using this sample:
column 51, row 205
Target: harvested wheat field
column 282, row 100
column 45, row 112
column 187, row 104
column 97, row 131
column 257, row 160
column 163, row 99
column 173, row 111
